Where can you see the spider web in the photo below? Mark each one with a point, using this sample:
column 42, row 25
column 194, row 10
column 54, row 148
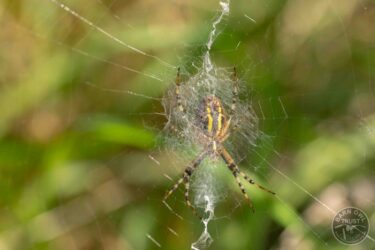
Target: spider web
column 108, row 194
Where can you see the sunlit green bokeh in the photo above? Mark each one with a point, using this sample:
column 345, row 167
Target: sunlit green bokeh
column 81, row 163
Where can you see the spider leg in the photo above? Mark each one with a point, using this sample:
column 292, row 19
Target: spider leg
column 234, row 98
column 236, row 171
column 187, row 200
column 175, row 186
column 251, row 181
column 178, row 91
column 186, row 179
column 234, row 91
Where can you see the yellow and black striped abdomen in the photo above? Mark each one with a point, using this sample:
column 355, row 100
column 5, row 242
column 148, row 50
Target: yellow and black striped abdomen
column 211, row 116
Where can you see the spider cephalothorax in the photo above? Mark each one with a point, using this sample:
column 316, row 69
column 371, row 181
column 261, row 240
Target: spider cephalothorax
column 214, row 126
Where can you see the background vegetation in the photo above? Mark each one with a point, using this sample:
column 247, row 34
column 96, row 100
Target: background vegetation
column 75, row 165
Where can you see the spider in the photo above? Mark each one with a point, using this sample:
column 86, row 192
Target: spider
column 213, row 124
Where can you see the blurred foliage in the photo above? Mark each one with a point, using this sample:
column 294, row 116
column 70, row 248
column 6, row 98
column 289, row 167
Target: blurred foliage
column 79, row 163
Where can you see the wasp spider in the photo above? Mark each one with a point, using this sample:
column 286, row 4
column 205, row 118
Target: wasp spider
column 214, row 126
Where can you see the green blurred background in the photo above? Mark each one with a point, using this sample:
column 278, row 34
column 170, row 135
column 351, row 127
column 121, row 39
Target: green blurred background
column 76, row 151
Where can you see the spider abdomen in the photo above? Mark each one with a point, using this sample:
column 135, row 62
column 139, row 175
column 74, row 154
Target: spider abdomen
column 211, row 117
